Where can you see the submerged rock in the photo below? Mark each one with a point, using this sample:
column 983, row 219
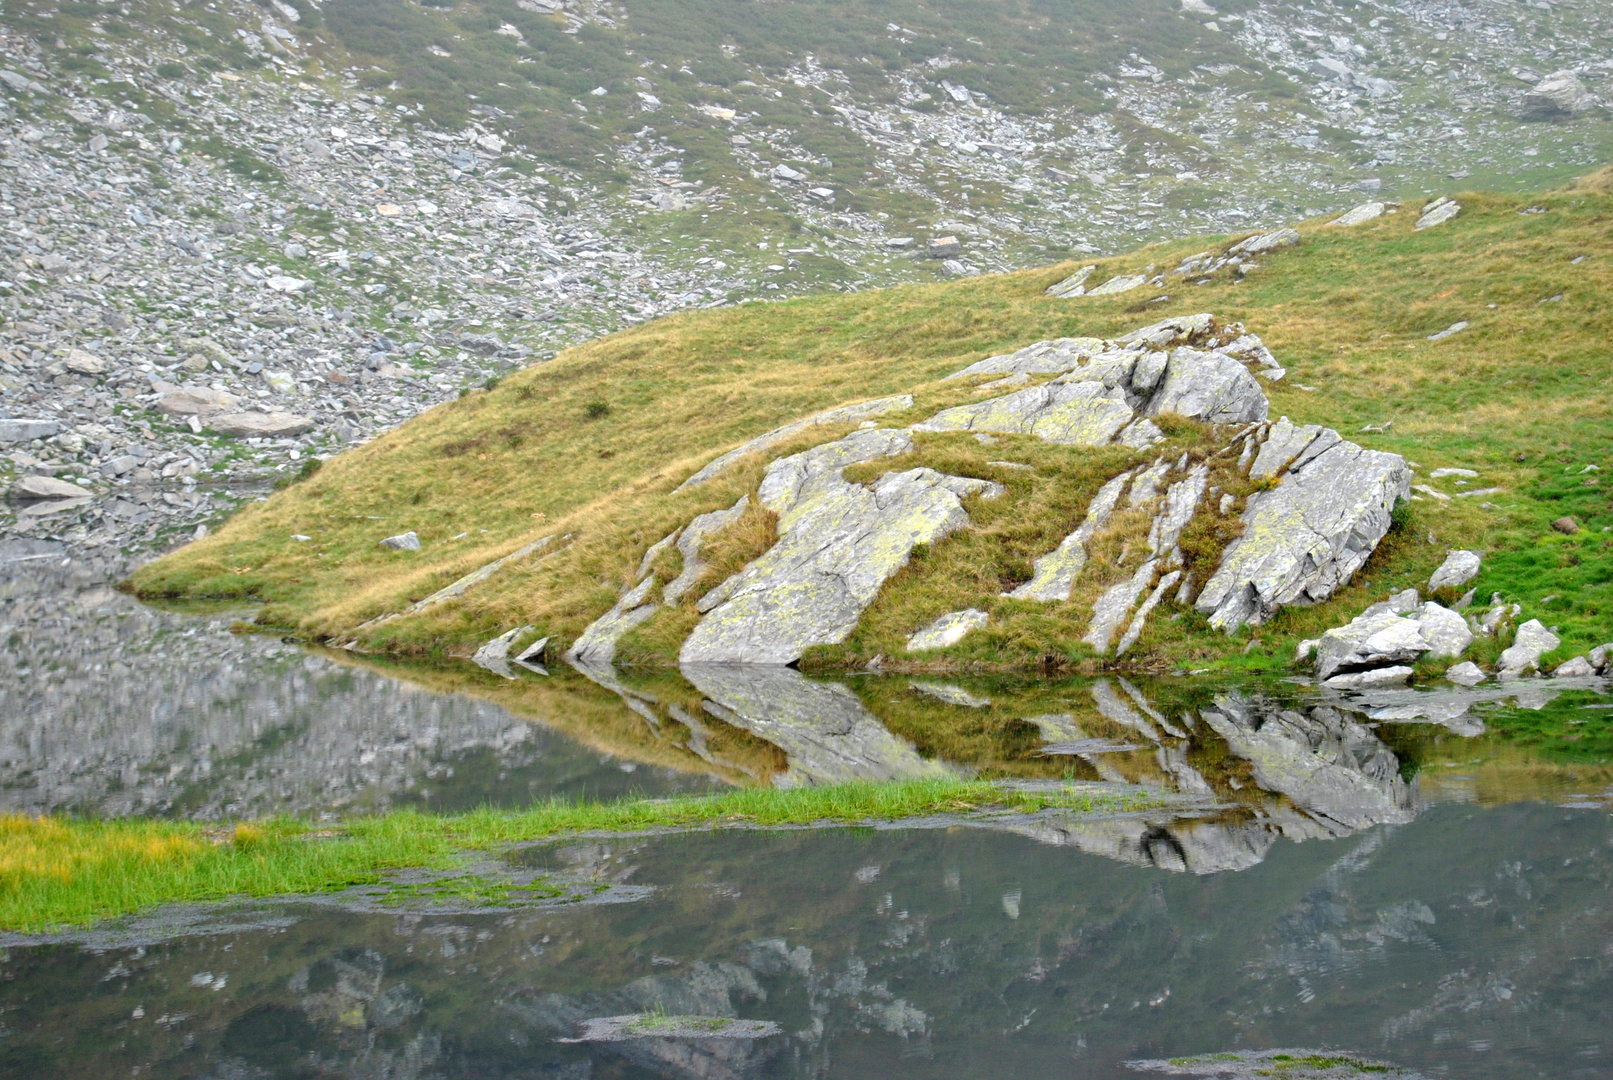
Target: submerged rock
column 838, row 543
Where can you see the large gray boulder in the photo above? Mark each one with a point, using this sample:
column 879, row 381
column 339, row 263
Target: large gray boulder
column 1208, row 386
column 838, row 544
column 1559, row 96
column 256, row 425
column 1080, row 414
column 1532, row 642
column 1309, row 534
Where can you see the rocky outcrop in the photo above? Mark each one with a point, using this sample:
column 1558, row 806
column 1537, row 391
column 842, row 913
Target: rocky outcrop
column 1390, row 635
column 1312, row 531
column 690, row 544
column 838, row 543
column 1438, row 212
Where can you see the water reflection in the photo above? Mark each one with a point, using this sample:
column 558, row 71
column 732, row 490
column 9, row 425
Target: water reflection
column 1469, row 942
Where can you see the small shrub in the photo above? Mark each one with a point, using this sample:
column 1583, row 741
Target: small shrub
column 170, row 70
column 597, row 410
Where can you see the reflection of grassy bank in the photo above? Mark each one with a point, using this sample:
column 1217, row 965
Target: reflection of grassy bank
column 56, row 871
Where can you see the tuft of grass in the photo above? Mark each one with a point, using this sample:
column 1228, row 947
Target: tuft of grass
column 62, row 871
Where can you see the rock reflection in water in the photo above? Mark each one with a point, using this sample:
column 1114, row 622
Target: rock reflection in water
column 112, row 708
column 1466, row 943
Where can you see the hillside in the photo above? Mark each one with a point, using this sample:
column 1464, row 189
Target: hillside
column 339, row 214
column 587, row 449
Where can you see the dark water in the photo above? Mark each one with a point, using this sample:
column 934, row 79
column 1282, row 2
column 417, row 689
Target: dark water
column 1422, row 876
column 1470, row 942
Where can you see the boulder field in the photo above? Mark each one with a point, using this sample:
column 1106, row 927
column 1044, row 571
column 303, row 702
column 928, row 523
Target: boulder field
column 1317, row 508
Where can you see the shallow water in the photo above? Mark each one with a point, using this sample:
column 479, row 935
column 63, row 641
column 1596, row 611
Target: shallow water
column 1418, row 876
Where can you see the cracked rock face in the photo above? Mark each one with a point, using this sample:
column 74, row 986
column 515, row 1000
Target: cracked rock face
column 838, row 543
column 1310, row 533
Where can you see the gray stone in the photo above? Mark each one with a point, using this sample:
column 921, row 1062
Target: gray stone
column 270, row 425
column 196, row 401
column 1271, row 241
column 943, row 247
column 863, row 410
column 409, row 541
column 1601, row 656
column 1557, row 96
column 19, row 431
column 1459, row 568
column 1211, row 387
column 1438, row 212
column 1360, row 215
column 1309, row 534
column 1054, row 574
column 826, row 732
column 1111, row 609
column 1081, row 414
column 494, row 655
column 1167, row 333
column 596, row 645
column 1072, row 286
column 947, row 630
column 838, row 543
column 1140, row 618
column 37, row 488
column 690, row 544
column 80, row 362
column 1445, row 631
column 1384, row 676
column 533, row 652
column 1467, row 673
column 1531, row 642
column 1578, row 667
column 1118, row 284
column 1371, row 640
column 1404, row 602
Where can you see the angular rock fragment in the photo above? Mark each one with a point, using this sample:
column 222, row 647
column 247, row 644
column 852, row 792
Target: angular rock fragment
column 1270, row 241
column 1532, row 642
column 1577, row 668
column 1459, row 568
column 1310, row 533
column 1081, row 414
column 1072, row 286
column 1360, row 215
column 947, row 630
column 20, row 431
column 1053, row 357
column 409, row 541
column 1438, row 212
column 1467, row 673
column 838, row 543
column 1112, row 608
column 1118, row 284
column 1210, row 387
column 1558, row 96
column 270, row 425
column 195, row 401
column 37, row 488
column 494, row 655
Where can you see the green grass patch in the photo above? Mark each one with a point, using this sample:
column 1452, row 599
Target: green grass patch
column 60, row 871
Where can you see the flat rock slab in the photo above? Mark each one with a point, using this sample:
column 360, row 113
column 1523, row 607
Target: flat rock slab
column 947, row 630
column 862, row 410
column 35, row 488
column 1079, row 414
column 19, row 431
column 271, row 425
column 661, row 1026
column 196, row 401
column 1359, row 215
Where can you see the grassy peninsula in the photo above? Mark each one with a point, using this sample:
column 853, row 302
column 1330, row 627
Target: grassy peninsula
column 58, row 872
column 588, row 448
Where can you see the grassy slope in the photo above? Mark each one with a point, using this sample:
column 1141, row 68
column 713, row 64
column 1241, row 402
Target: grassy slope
column 56, row 871
column 1523, row 396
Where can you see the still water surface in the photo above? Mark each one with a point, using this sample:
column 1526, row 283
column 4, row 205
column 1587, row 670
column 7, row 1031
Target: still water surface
column 1422, row 877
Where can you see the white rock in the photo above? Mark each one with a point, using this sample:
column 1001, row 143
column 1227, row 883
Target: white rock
column 1578, row 667
column 1459, row 568
column 1558, row 95
column 1467, row 673
column 863, row 410
column 270, row 425
column 1532, row 642
column 1445, row 631
column 1054, row 574
column 1271, row 241
column 1118, row 284
column 1360, row 215
column 947, row 630
column 409, row 541
column 690, row 544
column 1072, row 286
column 35, row 488
column 1438, row 212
